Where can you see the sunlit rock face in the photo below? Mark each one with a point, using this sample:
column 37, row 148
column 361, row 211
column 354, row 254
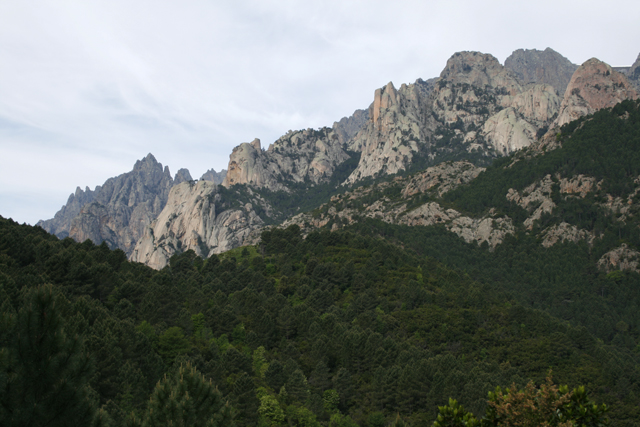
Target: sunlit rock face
column 295, row 157
column 594, row 85
column 396, row 130
column 190, row 221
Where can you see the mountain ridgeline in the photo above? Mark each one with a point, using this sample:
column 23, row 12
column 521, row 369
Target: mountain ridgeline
column 464, row 233
column 476, row 111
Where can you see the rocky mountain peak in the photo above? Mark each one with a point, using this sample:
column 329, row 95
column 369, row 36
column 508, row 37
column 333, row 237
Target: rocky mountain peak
column 213, row 176
column 295, row 157
column 395, row 131
column 194, row 218
column 347, row 127
column 479, row 69
column 541, row 67
column 594, row 85
column 118, row 211
column 245, row 167
column 383, row 98
column 146, row 163
column 181, row 176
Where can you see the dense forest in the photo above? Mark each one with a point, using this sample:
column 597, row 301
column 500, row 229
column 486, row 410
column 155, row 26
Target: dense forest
column 372, row 325
column 336, row 329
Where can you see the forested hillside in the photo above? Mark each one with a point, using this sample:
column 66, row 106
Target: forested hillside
column 333, row 329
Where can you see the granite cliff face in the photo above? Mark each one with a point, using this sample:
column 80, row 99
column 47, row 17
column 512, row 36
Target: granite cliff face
column 307, row 155
column 594, row 85
column 634, row 74
column 61, row 222
column 541, row 67
column 348, row 127
column 395, row 132
column 489, row 110
column 118, row 211
column 477, row 108
column 213, row 176
column 197, row 218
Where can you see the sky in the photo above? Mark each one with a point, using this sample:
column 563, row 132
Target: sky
column 88, row 87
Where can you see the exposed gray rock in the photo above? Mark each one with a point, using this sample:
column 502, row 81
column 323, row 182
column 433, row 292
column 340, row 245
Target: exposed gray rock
column 541, row 67
column 61, row 222
column 565, row 232
column 434, row 181
column 307, row 155
column 621, row 258
column 594, row 85
column 634, row 74
column 118, row 211
column 348, row 127
column 190, row 220
column 397, row 129
column 213, row 176
column 441, row 178
column 181, row 176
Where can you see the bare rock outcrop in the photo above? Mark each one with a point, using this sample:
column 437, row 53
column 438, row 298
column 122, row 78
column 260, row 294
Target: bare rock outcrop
column 348, row 127
column 565, row 232
column 487, row 107
column 538, row 104
column 442, row 178
column 594, row 85
column 181, row 176
column 118, row 211
column 295, row 157
column 61, row 222
column 634, row 74
column 621, row 258
column 395, row 131
column 348, row 208
column 473, row 87
column 213, row 176
column 507, row 131
column 190, row 220
column 541, row 67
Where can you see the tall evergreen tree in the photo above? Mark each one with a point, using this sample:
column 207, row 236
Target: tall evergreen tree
column 44, row 373
column 187, row 399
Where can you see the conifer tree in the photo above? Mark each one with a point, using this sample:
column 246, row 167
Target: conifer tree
column 187, row 399
column 44, row 373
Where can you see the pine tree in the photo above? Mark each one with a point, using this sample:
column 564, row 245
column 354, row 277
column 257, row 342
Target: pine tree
column 44, row 373
column 187, row 399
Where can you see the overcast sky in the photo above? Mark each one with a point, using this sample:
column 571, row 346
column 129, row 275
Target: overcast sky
column 88, row 87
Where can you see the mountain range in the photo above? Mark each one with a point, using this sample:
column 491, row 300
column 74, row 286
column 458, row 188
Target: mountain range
column 475, row 111
column 472, row 231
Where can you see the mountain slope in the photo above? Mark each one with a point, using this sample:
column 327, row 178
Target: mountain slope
column 366, row 325
column 477, row 110
column 118, row 211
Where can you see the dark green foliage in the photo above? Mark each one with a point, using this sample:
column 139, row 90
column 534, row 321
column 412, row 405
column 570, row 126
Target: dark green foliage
column 605, row 146
column 187, row 399
column 44, row 372
column 346, row 327
column 548, row 405
column 306, row 196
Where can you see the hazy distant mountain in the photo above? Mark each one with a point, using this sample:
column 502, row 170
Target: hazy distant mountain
column 541, row 67
column 213, row 176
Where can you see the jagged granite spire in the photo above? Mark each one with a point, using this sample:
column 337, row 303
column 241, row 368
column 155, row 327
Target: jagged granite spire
column 118, row 211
